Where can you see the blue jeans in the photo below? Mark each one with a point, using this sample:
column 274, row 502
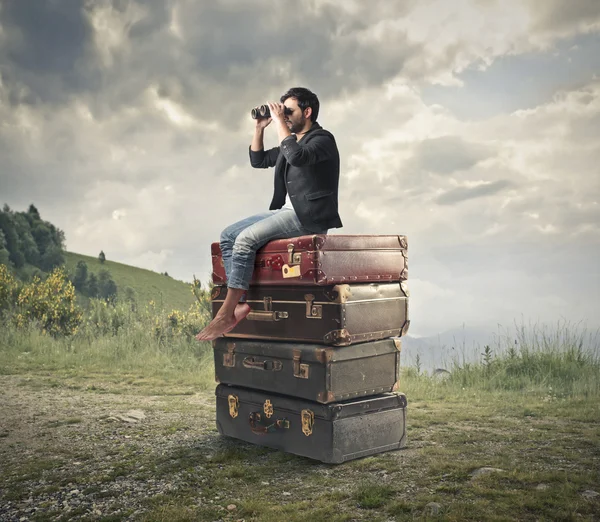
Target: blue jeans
column 240, row 241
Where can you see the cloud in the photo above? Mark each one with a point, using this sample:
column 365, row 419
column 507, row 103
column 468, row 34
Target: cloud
column 463, row 193
column 133, row 134
column 556, row 18
column 448, row 154
column 46, row 48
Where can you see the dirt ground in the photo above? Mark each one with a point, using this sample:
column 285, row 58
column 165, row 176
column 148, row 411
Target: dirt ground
column 110, row 452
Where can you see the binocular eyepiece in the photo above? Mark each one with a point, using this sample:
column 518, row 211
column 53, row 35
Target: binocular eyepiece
column 262, row 111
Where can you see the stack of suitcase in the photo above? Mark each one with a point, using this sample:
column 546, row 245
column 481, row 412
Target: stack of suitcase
column 313, row 369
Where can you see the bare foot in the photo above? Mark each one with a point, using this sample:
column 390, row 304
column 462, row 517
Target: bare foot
column 240, row 312
column 216, row 327
column 220, row 325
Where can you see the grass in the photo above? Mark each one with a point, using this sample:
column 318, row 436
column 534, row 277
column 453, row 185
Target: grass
column 531, row 412
column 167, row 293
column 133, row 356
column 551, row 363
column 371, row 496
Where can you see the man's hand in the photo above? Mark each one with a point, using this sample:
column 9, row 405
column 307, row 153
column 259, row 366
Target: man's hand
column 261, row 123
column 277, row 111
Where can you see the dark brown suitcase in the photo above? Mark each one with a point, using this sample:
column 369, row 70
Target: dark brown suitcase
column 337, row 315
column 331, row 433
column 323, row 259
column 309, row 371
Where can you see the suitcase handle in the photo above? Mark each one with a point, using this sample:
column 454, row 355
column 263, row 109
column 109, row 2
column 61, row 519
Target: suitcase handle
column 256, row 425
column 270, row 365
column 266, row 316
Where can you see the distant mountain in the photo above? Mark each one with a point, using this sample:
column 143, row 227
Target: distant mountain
column 439, row 351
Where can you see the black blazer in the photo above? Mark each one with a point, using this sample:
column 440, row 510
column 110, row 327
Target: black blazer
column 309, row 171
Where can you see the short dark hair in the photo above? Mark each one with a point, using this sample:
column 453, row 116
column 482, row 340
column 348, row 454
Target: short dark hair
column 305, row 99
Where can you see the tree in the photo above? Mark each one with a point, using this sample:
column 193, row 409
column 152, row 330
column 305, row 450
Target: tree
column 30, row 249
column 101, row 256
column 107, row 288
column 92, row 289
column 30, row 240
column 34, row 212
column 17, row 258
column 42, row 235
column 4, row 260
column 52, row 258
column 8, row 227
column 26, row 243
column 80, row 277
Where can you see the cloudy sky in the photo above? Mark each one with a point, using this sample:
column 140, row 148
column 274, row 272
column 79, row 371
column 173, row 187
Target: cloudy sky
column 470, row 126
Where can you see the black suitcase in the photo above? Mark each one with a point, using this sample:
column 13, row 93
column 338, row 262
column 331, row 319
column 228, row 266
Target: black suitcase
column 331, row 433
column 309, row 371
column 337, row 315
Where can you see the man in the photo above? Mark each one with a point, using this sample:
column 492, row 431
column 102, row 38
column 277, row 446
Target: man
column 305, row 199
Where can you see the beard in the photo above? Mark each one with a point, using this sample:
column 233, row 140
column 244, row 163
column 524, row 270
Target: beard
column 297, row 127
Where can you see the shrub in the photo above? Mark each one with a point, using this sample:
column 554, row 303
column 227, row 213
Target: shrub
column 51, row 303
column 8, row 289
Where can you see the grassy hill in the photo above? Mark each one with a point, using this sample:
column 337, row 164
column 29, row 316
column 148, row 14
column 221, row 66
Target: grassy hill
column 167, row 293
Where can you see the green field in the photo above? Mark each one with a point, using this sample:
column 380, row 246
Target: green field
column 166, row 292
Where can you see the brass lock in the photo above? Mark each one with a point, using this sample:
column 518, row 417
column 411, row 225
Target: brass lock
column 234, row 404
column 308, row 421
column 268, row 409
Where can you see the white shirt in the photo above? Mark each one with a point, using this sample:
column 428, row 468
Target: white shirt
column 288, row 202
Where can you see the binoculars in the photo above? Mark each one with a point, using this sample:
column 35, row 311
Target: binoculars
column 263, row 111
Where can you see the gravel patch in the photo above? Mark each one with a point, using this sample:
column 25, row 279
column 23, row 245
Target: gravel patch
column 72, row 454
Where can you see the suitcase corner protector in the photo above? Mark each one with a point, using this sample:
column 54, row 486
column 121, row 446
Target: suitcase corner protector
column 325, row 397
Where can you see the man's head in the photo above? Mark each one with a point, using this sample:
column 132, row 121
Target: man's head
column 304, row 105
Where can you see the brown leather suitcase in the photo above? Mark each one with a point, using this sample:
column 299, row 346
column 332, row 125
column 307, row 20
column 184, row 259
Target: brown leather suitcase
column 325, row 260
column 309, row 371
column 331, row 433
column 337, row 315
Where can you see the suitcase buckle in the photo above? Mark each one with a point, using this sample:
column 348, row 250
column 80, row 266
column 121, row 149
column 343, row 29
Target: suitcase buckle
column 308, row 421
column 313, row 311
column 234, row 404
column 293, row 259
column 229, row 357
column 300, row 370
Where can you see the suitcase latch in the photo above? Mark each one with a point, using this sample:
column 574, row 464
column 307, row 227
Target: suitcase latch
column 292, row 267
column 229, row 357
column 308, row 421
column 313, row 311
column 301, row 371
column 293, row 259
column 234, row 404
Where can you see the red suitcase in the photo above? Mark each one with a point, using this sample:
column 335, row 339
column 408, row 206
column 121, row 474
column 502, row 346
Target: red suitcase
column 325, row 260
